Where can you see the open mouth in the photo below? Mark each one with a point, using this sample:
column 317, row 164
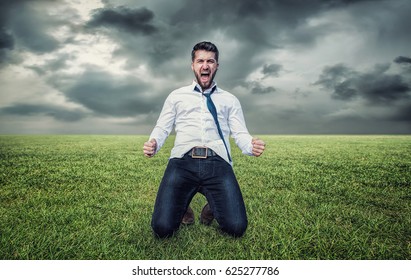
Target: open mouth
column 205, row 76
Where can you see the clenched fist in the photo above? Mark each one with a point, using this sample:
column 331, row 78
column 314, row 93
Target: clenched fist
column 258, row 146
column 150, row 148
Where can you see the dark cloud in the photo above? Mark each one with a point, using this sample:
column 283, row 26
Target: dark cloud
column 6, row 40
column 106, row 94
column 280, row 11
column 58, row 113
column 256, row 87
column 134, row 21
column 31, row 27
column 375, row 86
column 339, row 3
column 24, row 25
column 341, row 80
column 405, row 63
column 381, row 88
column 6, row 44
column 34, row 38
column 402, row 60
column 390, row 21
column 139, row 40
column 403, row 114
column 272, row 69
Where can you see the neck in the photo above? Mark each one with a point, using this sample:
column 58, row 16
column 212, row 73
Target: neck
column 206, row 88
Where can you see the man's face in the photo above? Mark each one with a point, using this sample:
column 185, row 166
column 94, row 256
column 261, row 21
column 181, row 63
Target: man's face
column 205, row 68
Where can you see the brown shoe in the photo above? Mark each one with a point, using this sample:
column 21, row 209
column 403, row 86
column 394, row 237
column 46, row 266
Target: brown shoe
column 188, row 218
column 207, row 215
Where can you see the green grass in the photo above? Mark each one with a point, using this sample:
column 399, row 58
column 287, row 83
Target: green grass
column 307, row 197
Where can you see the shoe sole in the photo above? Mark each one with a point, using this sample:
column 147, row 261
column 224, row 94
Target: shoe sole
column 206, row 221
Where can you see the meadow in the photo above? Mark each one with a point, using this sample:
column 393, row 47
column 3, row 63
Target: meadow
column 308, row 197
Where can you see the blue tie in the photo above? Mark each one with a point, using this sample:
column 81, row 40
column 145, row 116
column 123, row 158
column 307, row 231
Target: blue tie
column 213, row 111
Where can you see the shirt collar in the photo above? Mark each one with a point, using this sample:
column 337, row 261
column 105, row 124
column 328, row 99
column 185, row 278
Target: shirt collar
column 197, row 88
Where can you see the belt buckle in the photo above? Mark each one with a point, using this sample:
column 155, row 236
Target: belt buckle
column 199, row 156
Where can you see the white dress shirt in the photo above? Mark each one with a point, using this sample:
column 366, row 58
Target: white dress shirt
column 185, row 110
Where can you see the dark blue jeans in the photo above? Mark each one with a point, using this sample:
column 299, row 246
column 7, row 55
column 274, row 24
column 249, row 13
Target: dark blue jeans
column 214, row 178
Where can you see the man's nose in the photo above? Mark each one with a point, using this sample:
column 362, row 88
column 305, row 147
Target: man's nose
column 205, row 65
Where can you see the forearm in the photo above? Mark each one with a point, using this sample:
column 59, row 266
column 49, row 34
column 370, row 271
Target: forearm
column 239, row 130
column 160, row 135
column 164, row 125
column 244, row 142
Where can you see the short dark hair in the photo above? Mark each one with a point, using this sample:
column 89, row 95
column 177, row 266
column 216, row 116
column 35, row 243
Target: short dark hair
column 205, row 46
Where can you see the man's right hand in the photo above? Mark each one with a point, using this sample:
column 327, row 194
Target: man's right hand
column 150, row 148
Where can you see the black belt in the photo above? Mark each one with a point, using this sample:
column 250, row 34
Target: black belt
column 201, row 152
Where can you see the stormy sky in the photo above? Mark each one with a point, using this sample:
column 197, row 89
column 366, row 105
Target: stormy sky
column 298, row 67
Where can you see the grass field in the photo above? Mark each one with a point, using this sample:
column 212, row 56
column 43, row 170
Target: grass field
column 307, row 197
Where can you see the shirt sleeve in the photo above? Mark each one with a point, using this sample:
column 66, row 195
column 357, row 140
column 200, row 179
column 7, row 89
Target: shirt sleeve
column 165, row 123
column 239, row 130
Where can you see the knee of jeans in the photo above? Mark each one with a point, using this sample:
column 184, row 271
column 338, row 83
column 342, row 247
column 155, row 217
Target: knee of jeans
column 163, row 230
column 235, row 229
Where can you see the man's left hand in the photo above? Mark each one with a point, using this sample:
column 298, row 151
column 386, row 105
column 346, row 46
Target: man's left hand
column 258, row 146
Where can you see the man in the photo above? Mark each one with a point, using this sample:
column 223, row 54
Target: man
column 203, row 116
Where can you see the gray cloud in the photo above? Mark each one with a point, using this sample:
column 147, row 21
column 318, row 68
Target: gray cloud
column 6, row 40
column 380, row 87
column 34, row 38
column 105, row 94
column 405, row 64
column 52, row 66
column 402, row 60
column 256, row 87
column 272, row 69
column 6, row 44
column 31, row 28
column 141, row 40
column 57, row 112
column 24, row 25
column 403, row 114
column 375, row 86
column 133, row 21
column 340, row 79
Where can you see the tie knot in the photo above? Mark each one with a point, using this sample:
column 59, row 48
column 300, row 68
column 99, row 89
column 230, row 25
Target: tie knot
column 213, row 89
